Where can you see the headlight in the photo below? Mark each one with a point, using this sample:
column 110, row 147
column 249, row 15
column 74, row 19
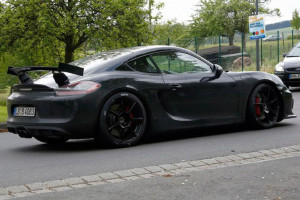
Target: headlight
column 279, row 67
column 83, row 87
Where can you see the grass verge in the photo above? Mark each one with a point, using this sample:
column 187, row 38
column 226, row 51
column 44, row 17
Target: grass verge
column 3, row 114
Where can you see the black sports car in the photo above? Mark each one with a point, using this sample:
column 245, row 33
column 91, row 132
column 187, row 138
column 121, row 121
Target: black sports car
column 124, row 94
column 289, row 69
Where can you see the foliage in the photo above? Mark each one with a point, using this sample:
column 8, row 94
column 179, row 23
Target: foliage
column 57, row 24
column 294, row 37
column 296, row 20
column 225, row 17
column 3, row 114
column 171, row 30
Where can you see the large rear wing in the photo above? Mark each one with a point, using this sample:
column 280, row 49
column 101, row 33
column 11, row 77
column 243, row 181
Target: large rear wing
column 59, row 77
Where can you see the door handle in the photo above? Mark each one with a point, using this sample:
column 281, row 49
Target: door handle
column 175, row 86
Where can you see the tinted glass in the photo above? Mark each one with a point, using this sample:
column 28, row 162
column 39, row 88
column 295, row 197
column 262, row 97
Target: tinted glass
column 123, row 68
column 177, row 62
column 143, row 64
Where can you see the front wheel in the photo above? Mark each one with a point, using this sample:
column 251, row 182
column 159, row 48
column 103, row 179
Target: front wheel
column 122, row 121
column 263, row 107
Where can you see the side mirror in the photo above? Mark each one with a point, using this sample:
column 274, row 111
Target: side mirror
column 218, row 70
column 284, row 55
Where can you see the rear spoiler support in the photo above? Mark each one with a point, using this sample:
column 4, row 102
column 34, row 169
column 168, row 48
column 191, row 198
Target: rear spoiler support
column 59, row 77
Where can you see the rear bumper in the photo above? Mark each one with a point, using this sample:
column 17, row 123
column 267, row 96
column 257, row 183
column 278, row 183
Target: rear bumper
column 71, row 117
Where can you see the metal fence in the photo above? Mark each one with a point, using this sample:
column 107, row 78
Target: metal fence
column 242, row 54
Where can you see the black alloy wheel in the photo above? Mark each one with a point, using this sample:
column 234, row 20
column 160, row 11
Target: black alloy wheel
column 122, row 120
column 51, row 141
column 263, row 106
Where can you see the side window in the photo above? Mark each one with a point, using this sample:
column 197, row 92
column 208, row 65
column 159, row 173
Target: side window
column 123, row 68
column 177, row 62
column 143, row 64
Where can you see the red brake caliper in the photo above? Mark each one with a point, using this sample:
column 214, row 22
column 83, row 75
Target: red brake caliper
column 257, row 110
column 130, row 114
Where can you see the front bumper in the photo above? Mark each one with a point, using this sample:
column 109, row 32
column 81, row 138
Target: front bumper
column 288, row 104
column 71, row 117
column 284, row 76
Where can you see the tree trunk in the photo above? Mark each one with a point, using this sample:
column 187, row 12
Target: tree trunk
column 231, row 37
column 69, row 53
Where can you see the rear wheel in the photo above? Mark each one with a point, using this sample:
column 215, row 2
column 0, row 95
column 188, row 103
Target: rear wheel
column 263, row 107
column 122, row 120
column 51, row 141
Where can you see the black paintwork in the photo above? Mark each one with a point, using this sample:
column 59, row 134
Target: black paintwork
column 172, row 101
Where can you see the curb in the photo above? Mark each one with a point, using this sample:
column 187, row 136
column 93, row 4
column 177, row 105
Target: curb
column 3, row 126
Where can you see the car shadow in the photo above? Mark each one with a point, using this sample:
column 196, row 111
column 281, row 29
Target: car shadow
column 89, row 145
column 205, row 132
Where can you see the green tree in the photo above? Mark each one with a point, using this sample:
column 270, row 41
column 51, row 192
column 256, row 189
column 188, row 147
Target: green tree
column 296, row 20
column 171, row 29
column 73, row 22
column 225, row 17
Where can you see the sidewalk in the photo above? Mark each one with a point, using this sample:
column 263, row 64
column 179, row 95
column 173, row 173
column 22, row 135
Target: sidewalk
column 272, row 180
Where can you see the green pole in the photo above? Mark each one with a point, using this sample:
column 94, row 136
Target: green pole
column 292, row 38
column 220, row 61
column 277, row 46
column 242, row 51
column 283, row 41
column 261, row 52
column 196, row 45
column 168, row 41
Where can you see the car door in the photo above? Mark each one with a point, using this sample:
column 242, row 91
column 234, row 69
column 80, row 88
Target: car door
column 188, row 96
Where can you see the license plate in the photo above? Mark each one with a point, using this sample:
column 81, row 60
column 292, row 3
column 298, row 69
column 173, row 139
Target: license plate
column 294, row 76
column 24, row 111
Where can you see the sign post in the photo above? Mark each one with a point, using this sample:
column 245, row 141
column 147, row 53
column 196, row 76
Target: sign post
column 257, row 31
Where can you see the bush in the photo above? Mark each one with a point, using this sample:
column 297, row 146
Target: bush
column 297, row 37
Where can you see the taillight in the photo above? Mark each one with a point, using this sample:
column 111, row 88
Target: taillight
column 83, row 87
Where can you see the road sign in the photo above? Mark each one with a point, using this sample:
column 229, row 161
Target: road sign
column 257, row 27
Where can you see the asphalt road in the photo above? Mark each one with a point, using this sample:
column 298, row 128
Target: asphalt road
column 25, row 161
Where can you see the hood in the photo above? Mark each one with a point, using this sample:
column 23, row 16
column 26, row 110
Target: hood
column 291, row 62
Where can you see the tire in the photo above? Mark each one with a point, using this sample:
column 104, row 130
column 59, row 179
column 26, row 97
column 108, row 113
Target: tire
column 122, row 121
column 263, row 107
column 52, row 141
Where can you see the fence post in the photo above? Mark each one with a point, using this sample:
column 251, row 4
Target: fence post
column 168, row 42
column 283, row 41
column 277, row 46
column 261, row 52
column 292, row 37
column 220, row 61
column 242, row 51
column 196, row 45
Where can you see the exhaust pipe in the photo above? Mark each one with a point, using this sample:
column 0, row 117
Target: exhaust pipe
column 21, row 131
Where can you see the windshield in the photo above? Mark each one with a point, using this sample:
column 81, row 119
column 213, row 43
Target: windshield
column 295, row 52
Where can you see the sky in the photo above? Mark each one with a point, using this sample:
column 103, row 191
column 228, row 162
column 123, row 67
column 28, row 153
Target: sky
column 181, row 10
